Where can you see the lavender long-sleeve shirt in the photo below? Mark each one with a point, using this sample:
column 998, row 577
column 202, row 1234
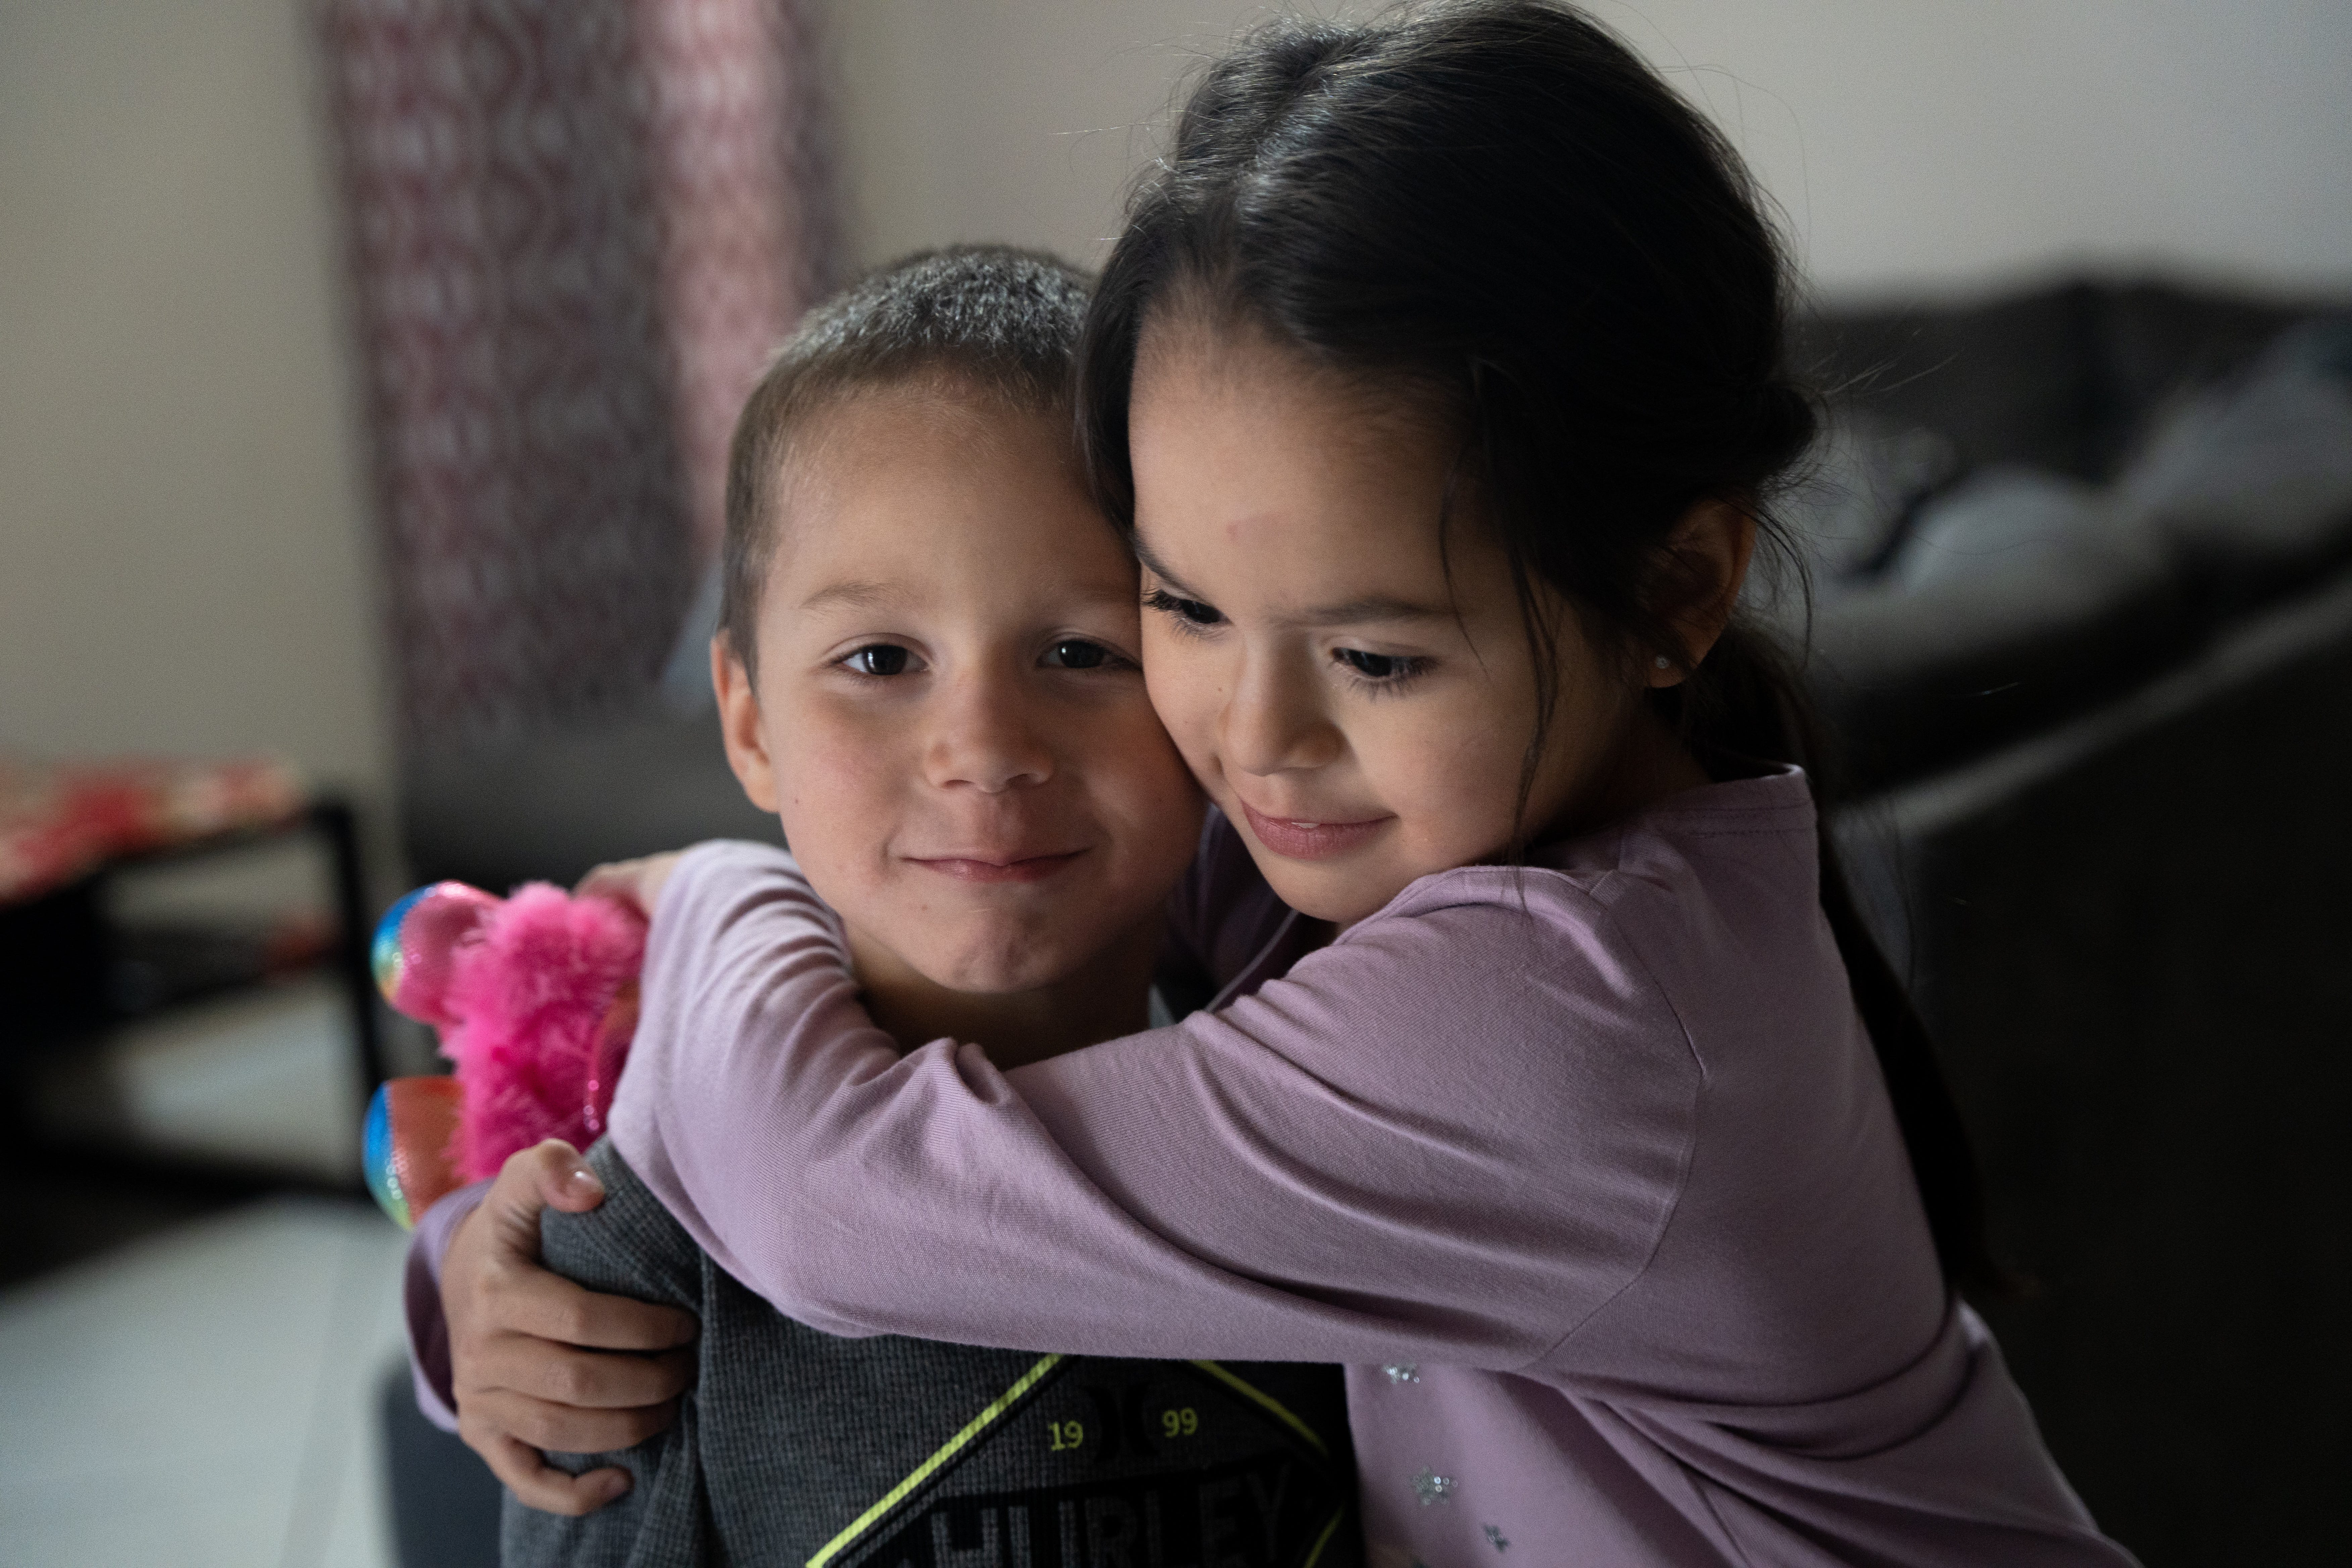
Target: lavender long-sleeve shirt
column 1586, row 1171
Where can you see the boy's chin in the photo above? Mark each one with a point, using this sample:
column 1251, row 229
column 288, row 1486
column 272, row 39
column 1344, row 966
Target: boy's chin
column 995, row 971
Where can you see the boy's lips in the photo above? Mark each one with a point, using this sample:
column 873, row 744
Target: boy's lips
column 997, row 868
column 1297, row 838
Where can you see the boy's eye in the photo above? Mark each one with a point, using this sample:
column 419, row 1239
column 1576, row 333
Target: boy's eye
column 879, row 658
column 1077, row 652
column 1192, row 610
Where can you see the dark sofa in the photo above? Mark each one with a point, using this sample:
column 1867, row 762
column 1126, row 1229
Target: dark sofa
column 2086, row 628
column 2083, row 620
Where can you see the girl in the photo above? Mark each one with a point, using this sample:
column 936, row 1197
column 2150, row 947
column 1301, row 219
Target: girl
column 1553, row 1084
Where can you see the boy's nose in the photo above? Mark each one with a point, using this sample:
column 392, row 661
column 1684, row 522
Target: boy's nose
column 1274, row 721
column 984, row 736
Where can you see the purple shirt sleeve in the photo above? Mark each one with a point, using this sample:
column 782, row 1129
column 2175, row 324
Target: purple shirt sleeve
column 1272, row 1181
column 428, row 1329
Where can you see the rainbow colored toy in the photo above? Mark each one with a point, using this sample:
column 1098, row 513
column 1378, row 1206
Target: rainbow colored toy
column 535, row 998
column 405, row 1145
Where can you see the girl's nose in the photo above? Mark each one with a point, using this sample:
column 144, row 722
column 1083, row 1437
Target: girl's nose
column 984, row 736
column 1274, row 721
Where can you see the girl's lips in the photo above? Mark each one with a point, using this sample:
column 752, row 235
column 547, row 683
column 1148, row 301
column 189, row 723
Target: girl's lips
column 1296, row 840
column 1031, row 868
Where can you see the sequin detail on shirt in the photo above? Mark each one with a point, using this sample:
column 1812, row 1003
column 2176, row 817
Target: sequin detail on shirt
column 1402, row 1371
column 1496, row 1538
column 1430, row 1487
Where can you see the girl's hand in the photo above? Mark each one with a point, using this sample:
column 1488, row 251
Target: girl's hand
column 529, row 1350
column 637, row 883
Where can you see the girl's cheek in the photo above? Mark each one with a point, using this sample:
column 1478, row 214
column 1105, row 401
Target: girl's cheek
column 1186, row 694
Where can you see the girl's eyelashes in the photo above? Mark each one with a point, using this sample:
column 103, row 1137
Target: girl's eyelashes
column 880, row 658
column 1190, row 614
column 1380, row 671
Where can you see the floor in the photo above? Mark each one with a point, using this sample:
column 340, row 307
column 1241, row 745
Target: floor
column 188, row 1375
column 204, row 1396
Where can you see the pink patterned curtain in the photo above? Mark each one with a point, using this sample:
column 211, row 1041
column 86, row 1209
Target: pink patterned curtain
column 577, row 229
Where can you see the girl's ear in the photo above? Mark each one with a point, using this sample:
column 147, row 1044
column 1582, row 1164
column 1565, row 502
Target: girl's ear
column 739, row 721
column 1706, row 561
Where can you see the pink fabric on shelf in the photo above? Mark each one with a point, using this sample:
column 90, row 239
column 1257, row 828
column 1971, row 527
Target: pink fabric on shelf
column 59, row 822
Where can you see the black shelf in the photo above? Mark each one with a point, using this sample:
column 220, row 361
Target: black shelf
column 69, row 976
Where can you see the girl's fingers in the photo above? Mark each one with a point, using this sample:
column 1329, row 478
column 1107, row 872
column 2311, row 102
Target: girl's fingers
column 551, row 1174
column 509, row 1291
column 527, row 1300
column 587, row 1380
column 614, row 880
column 637, row 883
column 537, row 1484
column 564, row 1428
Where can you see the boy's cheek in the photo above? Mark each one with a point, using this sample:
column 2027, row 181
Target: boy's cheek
column 835, row 806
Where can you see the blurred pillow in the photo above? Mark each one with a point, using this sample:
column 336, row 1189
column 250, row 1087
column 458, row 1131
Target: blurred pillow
column 2157, row 340
column 2008, row 521
column 2250, row 484
column 1866, row 479
column 1848, row 507
column 2016, row 599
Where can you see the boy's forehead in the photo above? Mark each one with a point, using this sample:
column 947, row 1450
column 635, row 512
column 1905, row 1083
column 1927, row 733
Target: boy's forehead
column 869, row 446
column 897, row 492
column 947, row 406
column 885, row 594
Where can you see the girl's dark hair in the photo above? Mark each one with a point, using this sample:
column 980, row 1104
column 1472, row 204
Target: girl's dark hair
column 1494, row 211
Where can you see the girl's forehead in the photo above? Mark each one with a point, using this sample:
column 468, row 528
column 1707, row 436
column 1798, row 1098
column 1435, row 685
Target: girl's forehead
column 1288, row 477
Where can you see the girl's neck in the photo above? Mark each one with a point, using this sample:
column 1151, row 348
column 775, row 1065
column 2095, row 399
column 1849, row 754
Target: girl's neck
column 1108, row 996
column 1649, row 766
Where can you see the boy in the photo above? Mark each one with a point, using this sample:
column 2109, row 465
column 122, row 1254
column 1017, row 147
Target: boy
column 928, row 667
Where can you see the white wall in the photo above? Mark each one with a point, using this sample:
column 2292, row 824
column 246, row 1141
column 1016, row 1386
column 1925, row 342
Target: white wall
column 1933, row 143
column 183, row 559
column 1915, row 143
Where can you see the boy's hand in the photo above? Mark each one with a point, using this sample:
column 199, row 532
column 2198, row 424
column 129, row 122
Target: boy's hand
column 530, row 1351
column 635, row 882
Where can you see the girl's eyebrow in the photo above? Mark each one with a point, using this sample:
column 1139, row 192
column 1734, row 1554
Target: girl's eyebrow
column 1378, row 607
column 1153, row 564
column 1349, row 612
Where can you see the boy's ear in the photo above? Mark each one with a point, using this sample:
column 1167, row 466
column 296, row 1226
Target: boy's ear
column 1699, row 585
column 739, row 721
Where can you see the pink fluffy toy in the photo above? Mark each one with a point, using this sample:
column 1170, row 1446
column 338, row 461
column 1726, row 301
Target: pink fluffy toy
column 535, row 997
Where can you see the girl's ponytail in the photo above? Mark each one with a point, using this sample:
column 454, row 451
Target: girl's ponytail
column 1495, row 209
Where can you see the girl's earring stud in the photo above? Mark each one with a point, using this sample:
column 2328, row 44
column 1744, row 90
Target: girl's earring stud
column 1664, row 663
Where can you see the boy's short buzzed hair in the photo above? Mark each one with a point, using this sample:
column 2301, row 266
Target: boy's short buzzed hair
column 1002, row 321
